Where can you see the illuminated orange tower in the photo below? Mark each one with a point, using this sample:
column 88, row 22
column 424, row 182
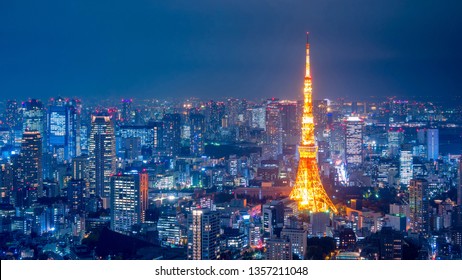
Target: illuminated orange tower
column 308, row 190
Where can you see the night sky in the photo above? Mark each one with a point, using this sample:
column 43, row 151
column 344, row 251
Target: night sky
column 213, row 49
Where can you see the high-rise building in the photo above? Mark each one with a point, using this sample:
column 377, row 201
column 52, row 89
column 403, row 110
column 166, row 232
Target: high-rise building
column 102, row 160
column 76, row 193
column 34, row 117
column 30, row 183
column 395, row 139
column 405, row 165
column 80, row 167
column 12, row 115
column 170, row 232
column 320, row 114
column 126, row 201
column 289, row 125
column 172, row 134
column 6, row 182
column 216, row 112
column 63, row 129
column 274, row 129
column 126, row 114
column 432, row 144
column 354, row 141
column 203, row 235
column 158, row 147
column 197, row 126
column 273, row 218
column 418, row 206
column 258, row 118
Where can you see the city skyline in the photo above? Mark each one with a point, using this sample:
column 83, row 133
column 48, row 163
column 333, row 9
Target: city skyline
column 193, row 176
column 209, row 50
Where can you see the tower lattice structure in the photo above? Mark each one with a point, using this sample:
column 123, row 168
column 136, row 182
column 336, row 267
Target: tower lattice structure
column 308, row 190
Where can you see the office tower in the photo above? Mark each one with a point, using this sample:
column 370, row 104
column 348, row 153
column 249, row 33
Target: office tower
column 405, row 165
column 432, row 144
column 6, row 182
column 308, row 190
column 320, row 114
column 273, row 129
column 80, row 167
column 76, row 193
column 203, row 235
column 216, row 112
column 126, row 114
column 34, row 118
column 12, row 115
column 298, row 240
column 62, row 128
column 126, row 202
column 278, row 249
column 158, row 147
column 273, row 218
column 30, row 167
column 172, row 134
column 289, row 125
column 197, row 125
column 258, row 118
column 395, row 139
column 354, row 141
column 418, row 206
column 83, row 140
column 102, row 160
column 5, row 137
column 170, row 233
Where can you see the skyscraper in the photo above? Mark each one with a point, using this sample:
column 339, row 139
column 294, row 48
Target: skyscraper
column 289, row 125
column 172, row 134
column 126, row 114
column 203, row 235
column 197, row 122
column 76, row 193
column 418, row 205
column 34, row 117
column 405, row 165
column 354, row 141
column 258, row 118
column 126, row 202
column 62, row 129
column 30, row 184
column 80, row 168
column 274, row 129
column 432, row 144
column 12, row 116
column 102, row 160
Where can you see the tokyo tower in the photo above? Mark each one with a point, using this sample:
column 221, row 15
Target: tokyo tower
column 308, row 190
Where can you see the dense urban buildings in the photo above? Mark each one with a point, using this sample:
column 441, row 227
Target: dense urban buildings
column 231, row 178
